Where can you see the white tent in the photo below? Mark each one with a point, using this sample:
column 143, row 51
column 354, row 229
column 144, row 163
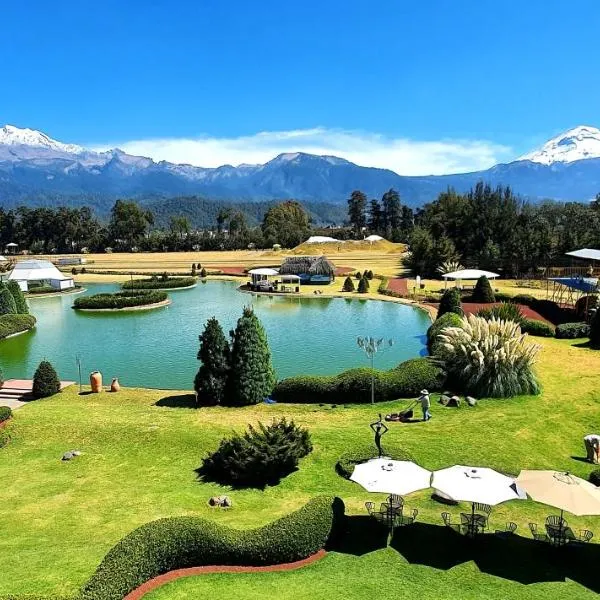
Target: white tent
column 40, row 272
column 374, row 238
column 262, row 274
column 470, row 274
column 587, row 253
column 322, row 239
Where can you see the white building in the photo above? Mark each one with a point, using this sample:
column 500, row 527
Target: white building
column 40, row 272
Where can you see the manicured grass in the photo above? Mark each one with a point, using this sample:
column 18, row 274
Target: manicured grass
column 59, row 519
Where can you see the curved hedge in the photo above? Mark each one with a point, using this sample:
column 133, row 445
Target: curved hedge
column 348, row 460
column 5, row 413
column 354, row 385
column 118, row 300
column 537, row 328
column 182, row 542
column 158, row 284
column 11, row 324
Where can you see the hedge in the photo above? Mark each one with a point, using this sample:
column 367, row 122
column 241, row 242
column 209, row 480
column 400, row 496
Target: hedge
column 354, row 385
column 158, row 284
column 360, row 454
column 126, row 299
column 181, row 542
column 11, row 324
column 537, row 328
column 572, row 331
column 42, row 289
column 5, row 413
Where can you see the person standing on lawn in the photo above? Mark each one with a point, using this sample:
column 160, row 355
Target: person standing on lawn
column 592, row 447
column 425, row 404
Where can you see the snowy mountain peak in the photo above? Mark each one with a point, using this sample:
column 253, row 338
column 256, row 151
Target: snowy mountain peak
column 576, row 144
column 14, row 136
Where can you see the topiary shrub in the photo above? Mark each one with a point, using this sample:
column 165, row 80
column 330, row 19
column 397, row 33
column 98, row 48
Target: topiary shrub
column 595, row 331
column 181, row 542
column 363, row 285
column 483, row 292
column 348, row 285
column 203, row 273
column 369, row 274
column 572, row 331
column 5, row 413
column 193, row 270
column 19, row 298
column 260, row 456
column 450, row 319
column 45, row 381
column 450, row 302
column 490, row 358
column 12, row 324
column 506, row 311
column 362, row 453
column 594, row 477
column 358, row 275
column 7, row 302
column 537, row 328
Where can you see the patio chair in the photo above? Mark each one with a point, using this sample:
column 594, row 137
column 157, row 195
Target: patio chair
column 448, row 523
column 396, row 501
column 585, row 535
column 387, row 515
column 509, row 529
column 555, row 521
column 408, row 519
column 370, row 506
column 537, row 536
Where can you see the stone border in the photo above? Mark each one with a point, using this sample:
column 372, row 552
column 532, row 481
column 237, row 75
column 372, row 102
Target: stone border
column 126, row 309
column 161, row 580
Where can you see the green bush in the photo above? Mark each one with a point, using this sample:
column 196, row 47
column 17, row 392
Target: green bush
column 18, row 297
column 363, row 285
column 181, row 542
column 45, row 381
column 450, row 319
column 505, row 311
column 203, row 273
column 594, row 477
column 525, row 299
column 11, row 324
column 5, row 413
column 537, row 328
column 41, row 289
column 7, row 302
column 354, row 385
column 125, row 299
column 348, row 285
column 483, row 292
column 260, row 456
column 362, row 453
column 150, row 284
column 450, row 302
column 595, row 331
column 572, row 331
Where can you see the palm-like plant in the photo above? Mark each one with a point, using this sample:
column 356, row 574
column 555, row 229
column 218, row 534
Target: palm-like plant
column 490, row 358
column 449, row 266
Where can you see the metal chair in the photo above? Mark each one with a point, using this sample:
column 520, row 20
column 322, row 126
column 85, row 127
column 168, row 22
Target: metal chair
column 509, row 529
column 448, row 523
column 396, row 500
column 537, row 536
column 370, row 506
column 585, row 535
column 555, row 521
column 408, row 519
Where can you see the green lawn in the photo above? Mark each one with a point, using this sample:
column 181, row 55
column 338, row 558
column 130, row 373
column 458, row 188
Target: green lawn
column 58, row 519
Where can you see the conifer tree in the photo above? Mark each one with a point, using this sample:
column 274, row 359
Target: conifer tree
column 363, row 286
column 211, row 379
column 19, row 298
column 7, row 302
column 45, row 381
column 450, row 302
column 483, row 291
column 348, row 285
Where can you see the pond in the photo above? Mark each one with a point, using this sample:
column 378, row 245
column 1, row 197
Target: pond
column 158, row 348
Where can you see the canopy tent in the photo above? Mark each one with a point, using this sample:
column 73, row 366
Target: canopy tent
column 3, row 258
column 470, row 274
column 585, row 253
column 391, row 476
column 39, row 272
column 587, row 285
column 322, row 239
column 262, row 274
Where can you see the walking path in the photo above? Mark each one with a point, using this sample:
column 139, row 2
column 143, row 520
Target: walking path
column 152, row 584
column 398, row 285
column 471, row 308
column 16, row 392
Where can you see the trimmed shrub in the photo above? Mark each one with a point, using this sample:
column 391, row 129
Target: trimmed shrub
column 572, row 331
column 45, row 381
column 5, row 413
column 483, row 292
column 157, row 284
column 450, row 319
column 7, row 302
column 18, row 297
column 369, row 274
column 348, row 285
column 525, row 299
column 363, row 286
column 595, row 331
column 11, row 324
column 594, row 477
column 180, row 542
column 354, row 385
column 211, row 379
column 450, row 302
column 360, row 454
column 537, row 328
column 203, row 273
column 260, row 456
column 41, row 289
column 358, row 275
column 505, row 311
column 193, row 270
column 125, row 299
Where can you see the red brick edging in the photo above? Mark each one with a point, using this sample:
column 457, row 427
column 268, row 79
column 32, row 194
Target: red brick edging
column 156, row 582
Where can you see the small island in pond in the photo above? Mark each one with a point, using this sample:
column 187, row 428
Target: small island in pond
column 124, row 300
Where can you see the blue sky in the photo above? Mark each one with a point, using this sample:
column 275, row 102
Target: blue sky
column 418, row 86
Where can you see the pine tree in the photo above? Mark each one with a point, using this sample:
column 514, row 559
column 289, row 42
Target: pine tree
column 45, row 381
column 450, row 302
column 203, row 273
column 211, row 379
column 7, row 302
column 483, row 292
column 252, row 377
column 348, row 285
column 363, row 286
column 19, row 298
column 357, row 204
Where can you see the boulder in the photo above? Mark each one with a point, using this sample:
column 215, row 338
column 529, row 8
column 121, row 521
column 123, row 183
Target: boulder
column 67, row 456
column 76, row 452
column 470, row 401
column 454, row 401
column 444, row 399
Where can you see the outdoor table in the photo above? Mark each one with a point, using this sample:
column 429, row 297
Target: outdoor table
column 560, row 536
column 474, row 523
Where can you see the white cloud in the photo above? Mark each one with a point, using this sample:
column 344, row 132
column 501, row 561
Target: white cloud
column 402, row 155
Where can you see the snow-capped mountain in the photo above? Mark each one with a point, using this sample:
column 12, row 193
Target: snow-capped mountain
column 35, row 169
column 580, row 143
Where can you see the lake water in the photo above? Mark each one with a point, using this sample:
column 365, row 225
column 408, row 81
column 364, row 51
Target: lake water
column 158, row 348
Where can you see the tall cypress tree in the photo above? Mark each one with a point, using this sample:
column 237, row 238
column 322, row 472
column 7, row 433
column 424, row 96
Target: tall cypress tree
column 450, row 302
column 7, row 302
column 19, row 298
column 252, row 377
column 211, row 379
column 483, row 291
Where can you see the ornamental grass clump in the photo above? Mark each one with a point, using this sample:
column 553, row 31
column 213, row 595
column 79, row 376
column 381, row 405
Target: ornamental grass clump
column 490, row 358
column 505, row 311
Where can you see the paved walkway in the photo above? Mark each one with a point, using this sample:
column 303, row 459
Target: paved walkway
column 471, row 308
column 398, row 285
column 16, row 392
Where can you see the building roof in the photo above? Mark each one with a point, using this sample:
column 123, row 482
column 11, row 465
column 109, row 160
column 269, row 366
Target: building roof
column 307, row 265
column 470, row 274
column 588, row 253
column 36, row 270
column 263, row 271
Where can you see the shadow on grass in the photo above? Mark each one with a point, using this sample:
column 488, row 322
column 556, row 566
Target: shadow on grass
column 359, row 535
column 178, row 401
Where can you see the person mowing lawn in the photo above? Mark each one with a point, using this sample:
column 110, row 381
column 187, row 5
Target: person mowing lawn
column 425, row 404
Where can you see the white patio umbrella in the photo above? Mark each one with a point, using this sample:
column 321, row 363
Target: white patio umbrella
column 391, row 476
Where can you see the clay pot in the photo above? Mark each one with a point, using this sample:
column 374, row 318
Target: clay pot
column 115, row 386
column 96, row 381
